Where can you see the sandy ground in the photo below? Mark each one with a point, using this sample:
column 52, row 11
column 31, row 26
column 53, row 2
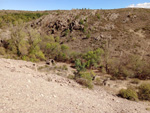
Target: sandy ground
column 24, row 90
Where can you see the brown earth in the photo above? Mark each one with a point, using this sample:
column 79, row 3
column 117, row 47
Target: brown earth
column 25, row 90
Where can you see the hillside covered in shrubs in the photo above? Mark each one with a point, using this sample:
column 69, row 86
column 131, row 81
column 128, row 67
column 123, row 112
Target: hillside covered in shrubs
column 112, row 41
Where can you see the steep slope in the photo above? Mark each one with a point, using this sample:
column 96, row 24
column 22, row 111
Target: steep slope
column 23, row 89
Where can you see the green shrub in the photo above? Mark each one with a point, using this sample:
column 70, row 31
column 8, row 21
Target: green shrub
column 131, row 67
column 40, row 55
column 88, row 35
column 15, row 18
column 125, row 72
column 93, row 58
column 84, row 30
column 62, row 56
column 86, row 75
column 33, row 58
column 23, row 47
column 144, row 91
column 66, row 32
column 57, row 39
column 73, row 38
column 77, row 17
column 26, row 58
column 79, row 65
column 17, row 43
column 50, row 38
column 129, row 94
column 64, row 48
column 85, row 79
column 98, row 15
column 81, row 22
column 52, row 49
column 84, row 82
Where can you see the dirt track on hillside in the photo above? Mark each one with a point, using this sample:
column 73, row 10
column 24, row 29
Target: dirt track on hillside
column 24, row 90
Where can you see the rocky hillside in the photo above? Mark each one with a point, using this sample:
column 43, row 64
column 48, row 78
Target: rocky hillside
column 123, row 35
column 121, row 31
column 23, row 89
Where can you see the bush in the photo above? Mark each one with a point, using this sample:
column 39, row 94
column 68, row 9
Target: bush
column 131, row 67
column 129, row 94
column 64, row 48
column 32, row 58
column 52, row 49
column 79, row 65
column 86, row 75
column 93, row 58
column 26, row 58
column 62, row 57
column 84, row 82
column 23, row 47
column 14, row 18
column 144, row 92
column 88, row 35
column 17, row 43
column 66, row 32
column 84, row 30
column 73, row 38
column 57, row 39
column 98, row 15
column 77, row 17
column 135, row 81
column 85, row 79
column 2, row 51
column 40, row 55
column 81, row 21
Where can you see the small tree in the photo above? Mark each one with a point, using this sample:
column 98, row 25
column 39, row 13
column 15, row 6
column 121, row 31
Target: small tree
column 79, row 65
column 93, row 58
column 17, row 40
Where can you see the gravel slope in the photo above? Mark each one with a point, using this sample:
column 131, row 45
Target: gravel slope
column 24, row 90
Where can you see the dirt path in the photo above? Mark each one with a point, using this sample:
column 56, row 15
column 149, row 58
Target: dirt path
column 24, row 90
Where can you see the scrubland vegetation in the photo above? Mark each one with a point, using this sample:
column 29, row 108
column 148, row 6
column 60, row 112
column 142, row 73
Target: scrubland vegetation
column 141, row 93
column 29, row 43
column 8, row 19
column 31, row 46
